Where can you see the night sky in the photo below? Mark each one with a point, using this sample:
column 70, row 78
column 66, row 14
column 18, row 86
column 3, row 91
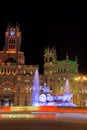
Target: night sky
column 66, row 30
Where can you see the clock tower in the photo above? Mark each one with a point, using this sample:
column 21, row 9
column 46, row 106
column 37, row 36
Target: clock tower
column 11, row 51
column 12, row 39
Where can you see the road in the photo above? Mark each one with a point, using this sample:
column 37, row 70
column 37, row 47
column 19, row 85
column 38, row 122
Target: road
column 46, row 121
column 39, row 124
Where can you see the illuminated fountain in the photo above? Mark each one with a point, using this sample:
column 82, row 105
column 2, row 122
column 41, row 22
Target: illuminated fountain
column 46, row 99
column 35, row 89
column 65, row 99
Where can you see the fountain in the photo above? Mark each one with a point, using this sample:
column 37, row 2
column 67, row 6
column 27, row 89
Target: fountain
column 35, row 89
column 46, row 99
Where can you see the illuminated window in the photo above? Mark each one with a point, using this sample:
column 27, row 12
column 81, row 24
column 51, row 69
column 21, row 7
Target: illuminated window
column 61, row 88
column 50, row 72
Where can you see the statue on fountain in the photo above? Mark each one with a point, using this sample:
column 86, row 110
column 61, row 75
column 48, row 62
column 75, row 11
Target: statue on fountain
column 46, row 98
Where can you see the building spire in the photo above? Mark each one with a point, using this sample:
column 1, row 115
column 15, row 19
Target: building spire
column 67, row 57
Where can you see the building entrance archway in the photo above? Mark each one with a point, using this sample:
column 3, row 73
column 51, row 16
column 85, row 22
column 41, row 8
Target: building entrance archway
column 7, row 94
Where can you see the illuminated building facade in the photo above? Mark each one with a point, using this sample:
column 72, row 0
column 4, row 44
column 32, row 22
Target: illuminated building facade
column 16, row 78
column 57, row 71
